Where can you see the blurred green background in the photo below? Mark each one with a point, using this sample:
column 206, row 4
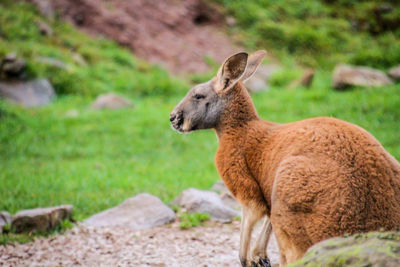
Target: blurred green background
column 96, row 159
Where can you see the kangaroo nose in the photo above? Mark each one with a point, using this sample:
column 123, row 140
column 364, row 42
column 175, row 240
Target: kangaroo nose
column 172, row 117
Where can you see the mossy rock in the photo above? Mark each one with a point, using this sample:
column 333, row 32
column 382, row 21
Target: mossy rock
column 370, row 249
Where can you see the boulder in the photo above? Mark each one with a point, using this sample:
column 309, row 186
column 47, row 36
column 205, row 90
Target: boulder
column 305, row 80
column 29, row 94
column 40, row 219
column 394, row 73
column 258, row 82
column 139, row 212
column 5, row 218
column 194, row 200
column 111, row 101
column 12, row 67
column 371, row 249
column 345, row 76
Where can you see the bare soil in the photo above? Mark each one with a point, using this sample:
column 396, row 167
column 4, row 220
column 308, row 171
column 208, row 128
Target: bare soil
column 214, row 244
column 177, row 34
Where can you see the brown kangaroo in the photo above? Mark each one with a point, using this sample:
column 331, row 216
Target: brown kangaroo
column 314, row 179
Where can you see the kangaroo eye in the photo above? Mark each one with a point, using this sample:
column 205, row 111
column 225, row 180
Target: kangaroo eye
column 197, row 96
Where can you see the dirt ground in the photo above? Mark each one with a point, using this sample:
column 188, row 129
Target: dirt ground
column 214, row 244
column 177, row 34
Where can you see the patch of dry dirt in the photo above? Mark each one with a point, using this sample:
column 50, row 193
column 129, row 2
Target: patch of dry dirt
column 177, row 34
column 211, row 245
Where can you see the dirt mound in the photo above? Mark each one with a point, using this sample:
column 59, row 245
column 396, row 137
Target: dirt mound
column 174, row 33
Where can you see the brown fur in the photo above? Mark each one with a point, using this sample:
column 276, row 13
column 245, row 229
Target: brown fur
column 315, row 179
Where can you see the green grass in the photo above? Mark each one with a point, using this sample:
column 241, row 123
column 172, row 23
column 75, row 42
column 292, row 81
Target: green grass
column 99, row 158
column 189, row 220
column 320, row 33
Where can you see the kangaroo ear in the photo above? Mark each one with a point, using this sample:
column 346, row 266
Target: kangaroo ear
column 231, row 71
column 253, row 63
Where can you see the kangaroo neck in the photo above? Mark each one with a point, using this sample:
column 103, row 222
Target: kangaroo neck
column 239, row 112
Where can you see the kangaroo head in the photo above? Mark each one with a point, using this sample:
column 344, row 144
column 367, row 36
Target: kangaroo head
column 203, row 105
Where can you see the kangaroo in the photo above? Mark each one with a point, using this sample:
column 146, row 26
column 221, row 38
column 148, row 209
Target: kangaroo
column 314, row 179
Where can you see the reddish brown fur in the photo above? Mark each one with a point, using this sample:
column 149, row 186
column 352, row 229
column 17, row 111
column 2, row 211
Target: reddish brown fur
column 315, row 179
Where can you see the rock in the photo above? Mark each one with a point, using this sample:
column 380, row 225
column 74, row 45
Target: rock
column 79, row 59
column 45, row 29
column 12, row 67
column 5, row 218
column 258, row 82
column 40, row 219
column 139, row 212
column 194, row 200
column 29, row 94
column 370, row 249
column 226, row 195
column 394, row 73
column 345, row 76
column 111, row 101
column 305, row 80
column 230, row 21
column 53, row 62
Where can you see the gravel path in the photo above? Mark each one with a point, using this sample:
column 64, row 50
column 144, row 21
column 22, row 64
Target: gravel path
column 211, row 245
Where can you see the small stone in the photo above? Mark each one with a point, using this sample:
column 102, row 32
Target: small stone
column 40, row 219
column 12, row 67
column 194, row 200
column 394, row 73
column 5, row 219
column 45, row 29
column 139, row 212
column 305, row 80
column 230, row 21
column 29, row 94
column 111, row 101
column 345, row 76
column 79, row 59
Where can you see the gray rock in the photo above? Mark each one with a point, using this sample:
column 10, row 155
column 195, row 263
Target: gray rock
column 40, row 219
column 226, row 196
column 345, row 76
column 258, row 82
column 139, row 212
column 79, row 59
column 45, row 29
column 371, row 249
column 194, row 200
column 5, row 218
column 394, row 73
column 111, row 101
column 29, row 94
column 12, row 67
